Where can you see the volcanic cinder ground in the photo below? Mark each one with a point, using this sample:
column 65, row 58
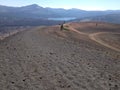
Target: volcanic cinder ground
column 83, row 56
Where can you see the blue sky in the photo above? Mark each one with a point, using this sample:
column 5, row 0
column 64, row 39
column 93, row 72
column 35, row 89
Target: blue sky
column 80, row 4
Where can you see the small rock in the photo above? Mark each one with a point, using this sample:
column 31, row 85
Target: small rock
column 68, row 86
column 23, row 80
column 40, row 77
column 12, row 82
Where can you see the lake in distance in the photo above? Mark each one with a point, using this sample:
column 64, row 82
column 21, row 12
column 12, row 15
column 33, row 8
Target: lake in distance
column 62, row 19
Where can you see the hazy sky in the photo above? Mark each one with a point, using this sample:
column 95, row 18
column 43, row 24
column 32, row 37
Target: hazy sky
column 80, row 4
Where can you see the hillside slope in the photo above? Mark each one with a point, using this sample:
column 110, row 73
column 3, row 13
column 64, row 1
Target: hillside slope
column 111, row 18
column 45, row 58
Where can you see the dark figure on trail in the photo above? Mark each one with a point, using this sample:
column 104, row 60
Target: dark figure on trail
column 96, row 24
column 61, row 27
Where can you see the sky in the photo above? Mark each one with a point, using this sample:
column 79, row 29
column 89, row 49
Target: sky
column 67, row 4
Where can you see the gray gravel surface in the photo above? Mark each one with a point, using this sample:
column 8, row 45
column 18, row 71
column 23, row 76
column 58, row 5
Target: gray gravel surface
column 46, row 58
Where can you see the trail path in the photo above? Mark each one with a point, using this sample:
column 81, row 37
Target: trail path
column 98, row 40
column 94, row 37
column 71, row 28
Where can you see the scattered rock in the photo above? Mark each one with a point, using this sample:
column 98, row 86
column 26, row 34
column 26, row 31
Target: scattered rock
column 110, row 79
column 51, row 53
column 12, row 82
column 69, row 86
column 40, row 77
column 4, row 74
column 24, row 80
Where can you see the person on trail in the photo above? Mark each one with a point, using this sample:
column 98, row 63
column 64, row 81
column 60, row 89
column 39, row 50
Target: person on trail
column 61, row 27
column 96, row 24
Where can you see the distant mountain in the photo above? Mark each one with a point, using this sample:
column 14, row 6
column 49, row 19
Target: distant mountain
column 31, row 11
column 37, row 15
column 111, row 18
column 35, row 11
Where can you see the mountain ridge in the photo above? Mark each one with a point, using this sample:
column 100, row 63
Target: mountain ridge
column 73, row 12
column 35, row 13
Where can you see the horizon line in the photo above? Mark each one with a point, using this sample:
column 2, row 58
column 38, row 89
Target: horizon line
column 60, row 7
